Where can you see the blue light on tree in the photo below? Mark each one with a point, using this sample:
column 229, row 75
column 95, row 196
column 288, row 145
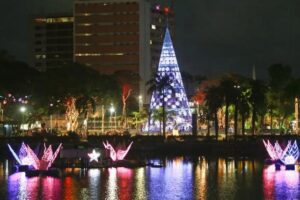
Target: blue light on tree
column 178, row 114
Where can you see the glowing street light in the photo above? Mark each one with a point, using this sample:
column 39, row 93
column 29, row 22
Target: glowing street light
column 140, row 103
column 23, row 109
column 112, row 110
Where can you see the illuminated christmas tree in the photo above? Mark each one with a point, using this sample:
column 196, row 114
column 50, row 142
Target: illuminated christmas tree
column 177, row 111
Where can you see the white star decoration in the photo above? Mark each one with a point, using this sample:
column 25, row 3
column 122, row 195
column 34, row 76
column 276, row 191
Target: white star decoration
column 94, row 156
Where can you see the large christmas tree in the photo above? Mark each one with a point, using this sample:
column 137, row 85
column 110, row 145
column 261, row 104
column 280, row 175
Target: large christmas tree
column 178, row 114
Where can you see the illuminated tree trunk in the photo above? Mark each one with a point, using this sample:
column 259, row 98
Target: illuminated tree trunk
column 164, row 116
column 253, row 119
column 226, row 118
column 296, row 115
column 126, row 91
column 235, row 120
column 271, row 116
column 216, row 125
column 243, row 124
column 71, row 115
column 103, row 115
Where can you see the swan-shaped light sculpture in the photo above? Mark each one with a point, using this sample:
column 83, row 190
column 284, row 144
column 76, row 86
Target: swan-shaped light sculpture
column 117, row 154
column 288, row 156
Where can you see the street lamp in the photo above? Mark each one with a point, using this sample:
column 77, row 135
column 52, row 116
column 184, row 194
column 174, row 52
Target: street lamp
column 140, row 103
column 23, row 110
column 112, row 111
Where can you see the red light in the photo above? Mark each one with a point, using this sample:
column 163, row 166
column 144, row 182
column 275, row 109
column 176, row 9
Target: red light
column 167, row 10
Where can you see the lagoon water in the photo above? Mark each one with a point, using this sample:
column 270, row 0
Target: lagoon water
column 180, row 178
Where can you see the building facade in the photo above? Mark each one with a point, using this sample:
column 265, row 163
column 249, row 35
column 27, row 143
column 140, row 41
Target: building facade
column 114, row 35
column 52, row 41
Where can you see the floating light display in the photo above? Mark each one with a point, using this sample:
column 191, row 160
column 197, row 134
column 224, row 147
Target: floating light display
column 22, row 158
column 270, row 149
column 175, row 100
column 117, row 154
column 94, row 156
column 47, row 159
column 288, row 156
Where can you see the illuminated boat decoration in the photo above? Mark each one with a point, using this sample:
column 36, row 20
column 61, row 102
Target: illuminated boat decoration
column 288, row 156
column 22, row 158
column 117, row 154
column 278, row 150
column 47, row 159
column 271, row 150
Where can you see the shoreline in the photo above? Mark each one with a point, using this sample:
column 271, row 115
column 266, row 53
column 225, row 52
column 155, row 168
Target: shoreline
column 156, row 145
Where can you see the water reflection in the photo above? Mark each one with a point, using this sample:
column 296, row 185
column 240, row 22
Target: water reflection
column 283, row 184
column 21, row 187
column 180, row 178
column 175, row 181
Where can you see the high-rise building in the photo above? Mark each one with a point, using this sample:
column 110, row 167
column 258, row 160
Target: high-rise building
column 113, row 35
column 52, row 41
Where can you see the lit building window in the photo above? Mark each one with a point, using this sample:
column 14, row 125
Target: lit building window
column 99, row 54
column 153, row 27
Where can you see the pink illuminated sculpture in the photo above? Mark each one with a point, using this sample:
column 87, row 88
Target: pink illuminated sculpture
column 275, row 152
column 270, row 149
column 288, row 156
column 117, row 154
column 47, row 159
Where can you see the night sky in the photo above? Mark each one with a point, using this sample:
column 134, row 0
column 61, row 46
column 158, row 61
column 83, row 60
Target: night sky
column 212, row 36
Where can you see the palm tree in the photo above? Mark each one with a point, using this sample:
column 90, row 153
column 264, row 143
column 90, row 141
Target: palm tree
column 161, row 84
column 214, row 102
column 257, row 100
column 244, row 107
column 85, row 105
column 227, row 92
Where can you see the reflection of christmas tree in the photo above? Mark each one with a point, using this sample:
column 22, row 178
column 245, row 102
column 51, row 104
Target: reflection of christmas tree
column 175, row 101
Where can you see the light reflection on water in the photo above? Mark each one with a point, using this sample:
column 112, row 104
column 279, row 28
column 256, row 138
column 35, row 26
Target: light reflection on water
column 180, row 178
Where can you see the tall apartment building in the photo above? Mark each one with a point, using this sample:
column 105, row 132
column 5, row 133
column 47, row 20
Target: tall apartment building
column 52, row 41
column 113, row 35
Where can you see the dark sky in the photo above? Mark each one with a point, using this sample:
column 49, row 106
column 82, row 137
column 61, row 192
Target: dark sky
column 212, row 36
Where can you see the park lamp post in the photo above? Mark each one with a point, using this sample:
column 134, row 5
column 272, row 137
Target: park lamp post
column 140, row 103
column 23, row 110
column 112, row 111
